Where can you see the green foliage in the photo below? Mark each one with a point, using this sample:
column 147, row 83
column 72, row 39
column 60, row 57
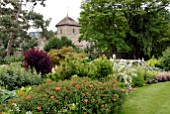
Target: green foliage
column 129, row 73
column 165, row 59
column 13, row 76
column 57, row 43
column 96, row 69
column 11, row 59
column 139, row 27
column 75, row 96
column 153, row 62
column 58, row 56
column 5, row 96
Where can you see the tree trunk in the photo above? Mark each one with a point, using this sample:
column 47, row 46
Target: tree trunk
column 10, row 41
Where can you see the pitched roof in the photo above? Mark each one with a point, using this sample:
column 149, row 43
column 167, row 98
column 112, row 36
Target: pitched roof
column 67, row 21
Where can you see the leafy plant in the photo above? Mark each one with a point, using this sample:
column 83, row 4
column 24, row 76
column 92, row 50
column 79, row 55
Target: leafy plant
column 57, row 43
column 58, row 55
column 75, row 96
column 165, row 59
column 96, row 69
column 37, row 59
column 13, row 76
column 129, row 73
column 153, row 62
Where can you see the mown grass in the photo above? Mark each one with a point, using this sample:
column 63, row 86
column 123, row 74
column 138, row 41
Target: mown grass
column 151, row 99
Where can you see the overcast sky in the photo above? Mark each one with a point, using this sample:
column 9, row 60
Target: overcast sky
column 57, row 10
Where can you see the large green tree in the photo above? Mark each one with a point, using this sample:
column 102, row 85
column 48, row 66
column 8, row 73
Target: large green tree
column 14, row 22
column 135, row 26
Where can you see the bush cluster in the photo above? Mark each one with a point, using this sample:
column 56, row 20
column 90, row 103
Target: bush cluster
column 75, row 96
column 165, row 59
column 160, row 77
column 37, row 59
column 96, row 69
column 58, row 55
column 13, row 76
column 11, row 59
column 57, row 43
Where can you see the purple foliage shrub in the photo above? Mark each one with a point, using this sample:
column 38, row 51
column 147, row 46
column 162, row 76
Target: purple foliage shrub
column 37, row 59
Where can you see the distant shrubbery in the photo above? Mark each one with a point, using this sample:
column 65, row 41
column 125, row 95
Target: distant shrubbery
column 58, row 55
column 57, row 43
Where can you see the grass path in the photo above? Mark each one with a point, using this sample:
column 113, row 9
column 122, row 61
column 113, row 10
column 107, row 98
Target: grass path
column 151, row 99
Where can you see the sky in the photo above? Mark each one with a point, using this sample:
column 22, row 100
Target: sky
column 58, row 9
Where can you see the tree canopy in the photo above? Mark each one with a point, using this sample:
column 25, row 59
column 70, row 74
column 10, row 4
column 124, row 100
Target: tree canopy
column 15, row 22
column 138, row 27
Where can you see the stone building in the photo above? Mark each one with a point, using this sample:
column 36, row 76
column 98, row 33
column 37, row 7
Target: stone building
column 70, row 28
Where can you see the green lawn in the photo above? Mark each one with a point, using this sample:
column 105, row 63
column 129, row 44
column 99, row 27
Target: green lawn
column 151, row 99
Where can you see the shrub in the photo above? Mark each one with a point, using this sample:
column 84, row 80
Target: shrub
column 58, row 56
column 129, row 73
column 57, row 43
column 75, row 96
column 37, row 59
column 14, row 76
column 11, row 59
column 99, row 68
column 165, row 59
column 153, row 62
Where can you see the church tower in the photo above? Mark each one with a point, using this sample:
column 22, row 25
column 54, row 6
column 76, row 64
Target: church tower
column 69, row 28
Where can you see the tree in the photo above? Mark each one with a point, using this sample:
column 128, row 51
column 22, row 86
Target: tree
column 15, row 21
column 133, row 26
column 101, row 24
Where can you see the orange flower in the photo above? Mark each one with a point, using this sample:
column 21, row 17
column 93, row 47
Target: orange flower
column 38, row 108
column 102, row 105
column 56, row 101
column 52, row 97
column 116, row 95
column 89, row 94
column 77, row 86
column 114, row 85
column 57, row 88
column 114, row 80
column 71, row 83
column 91, row 86
column 83, row 94
column 14, row 101
column 39, row 86
column 103, row 95
column 48, row 80
column 28, row 97
column 85, row 101
column 114, row 99
column 85, row 113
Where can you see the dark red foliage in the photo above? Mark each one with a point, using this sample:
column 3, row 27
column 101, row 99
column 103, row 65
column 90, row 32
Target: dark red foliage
column 37, row 59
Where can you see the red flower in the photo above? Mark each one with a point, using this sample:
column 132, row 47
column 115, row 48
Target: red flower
column 51, row 97
column 58, row 88
column 77, row 86
column 91, row 86
column 48, row 80
column 28, row 98
column 38, row 108
column 86, row 101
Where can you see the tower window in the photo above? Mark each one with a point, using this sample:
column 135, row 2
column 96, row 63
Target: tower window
column 60, row 31
column 73, row 31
